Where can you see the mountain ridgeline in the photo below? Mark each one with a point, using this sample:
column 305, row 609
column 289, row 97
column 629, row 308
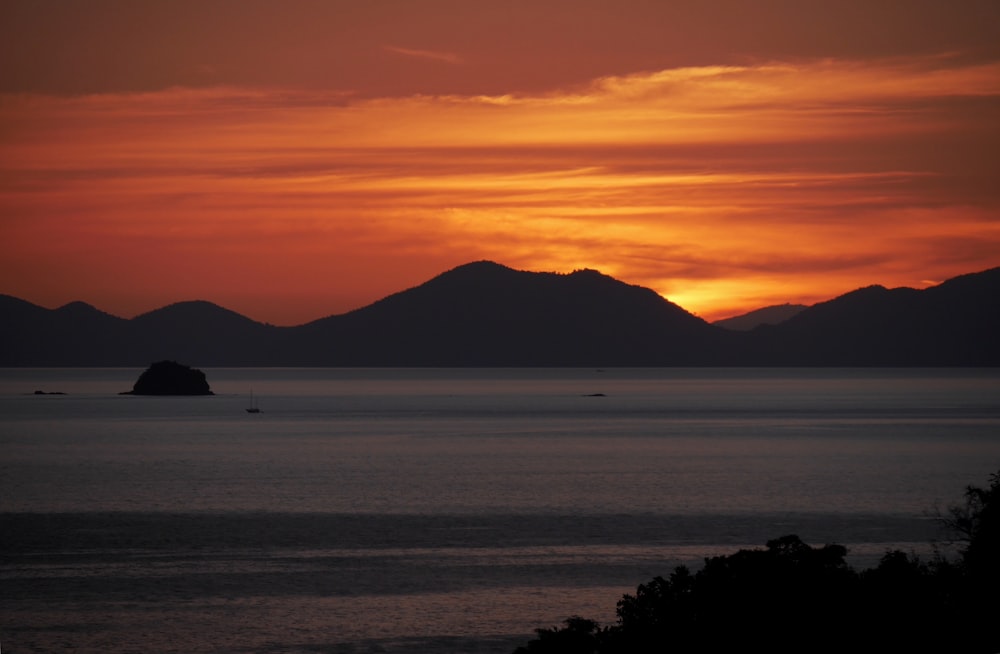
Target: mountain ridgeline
column 485, row 314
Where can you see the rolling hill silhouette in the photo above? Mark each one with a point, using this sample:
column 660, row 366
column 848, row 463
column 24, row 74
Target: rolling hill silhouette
column 201, row 331
column 772, row 315
column 73, row 334
column 485, row 314
column 952, row 324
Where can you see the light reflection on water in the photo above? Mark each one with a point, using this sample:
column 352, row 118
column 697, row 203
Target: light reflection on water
column 445, row 510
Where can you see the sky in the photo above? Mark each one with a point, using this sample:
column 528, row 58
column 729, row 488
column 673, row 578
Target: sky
column 295, row 159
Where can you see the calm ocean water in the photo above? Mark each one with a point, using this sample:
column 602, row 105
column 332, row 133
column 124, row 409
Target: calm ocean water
column 446, row 510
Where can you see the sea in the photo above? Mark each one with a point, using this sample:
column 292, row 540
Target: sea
column 446, row 510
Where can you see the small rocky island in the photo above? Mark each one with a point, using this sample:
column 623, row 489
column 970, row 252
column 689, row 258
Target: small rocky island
column 170, row 378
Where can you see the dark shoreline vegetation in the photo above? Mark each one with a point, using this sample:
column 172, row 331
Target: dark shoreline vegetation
column 791, row 597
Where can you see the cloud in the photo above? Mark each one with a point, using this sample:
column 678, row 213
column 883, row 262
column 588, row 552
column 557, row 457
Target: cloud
column 432, row 55
column 718, row 186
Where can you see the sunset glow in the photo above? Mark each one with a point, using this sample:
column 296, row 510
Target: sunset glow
column 726, row 185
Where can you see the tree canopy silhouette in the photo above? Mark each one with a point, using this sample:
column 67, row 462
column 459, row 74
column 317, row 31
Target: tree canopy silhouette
column 792, row 597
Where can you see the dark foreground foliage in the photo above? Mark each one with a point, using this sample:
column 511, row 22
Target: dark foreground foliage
column 791, row 597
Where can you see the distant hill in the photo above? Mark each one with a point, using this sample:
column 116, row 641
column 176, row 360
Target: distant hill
column 953, row 324
column 74, row 334
column 485, row 314
column 766, row 316
column 199, row 331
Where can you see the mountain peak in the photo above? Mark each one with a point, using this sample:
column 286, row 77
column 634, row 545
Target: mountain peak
column 483, row 265
column 80, row 311
column 190, row 309
column 77, row 306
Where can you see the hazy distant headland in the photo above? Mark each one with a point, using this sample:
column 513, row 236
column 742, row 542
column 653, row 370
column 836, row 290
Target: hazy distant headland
column 485, row 314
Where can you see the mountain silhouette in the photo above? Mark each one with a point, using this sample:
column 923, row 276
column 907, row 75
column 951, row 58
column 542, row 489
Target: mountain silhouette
column 201, row 331
column 73, row 334
column 772, row 315
column 952, row 324
column 486, row 314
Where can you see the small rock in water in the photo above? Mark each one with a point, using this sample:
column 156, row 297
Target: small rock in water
column 171, row 378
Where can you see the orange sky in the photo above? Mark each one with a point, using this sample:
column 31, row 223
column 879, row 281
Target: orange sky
column 291, row 160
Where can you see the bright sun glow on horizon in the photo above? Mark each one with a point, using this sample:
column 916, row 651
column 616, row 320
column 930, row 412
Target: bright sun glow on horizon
column 724, row 187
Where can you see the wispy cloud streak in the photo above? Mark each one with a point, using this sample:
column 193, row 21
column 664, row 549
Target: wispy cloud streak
column 432, row 55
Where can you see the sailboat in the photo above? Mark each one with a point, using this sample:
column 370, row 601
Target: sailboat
column 253, row 408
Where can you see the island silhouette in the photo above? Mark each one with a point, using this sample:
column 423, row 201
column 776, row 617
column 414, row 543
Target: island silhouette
column 170, row 378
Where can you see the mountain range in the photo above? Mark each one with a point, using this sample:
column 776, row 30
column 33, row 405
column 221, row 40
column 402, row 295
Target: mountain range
column 486, row 314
